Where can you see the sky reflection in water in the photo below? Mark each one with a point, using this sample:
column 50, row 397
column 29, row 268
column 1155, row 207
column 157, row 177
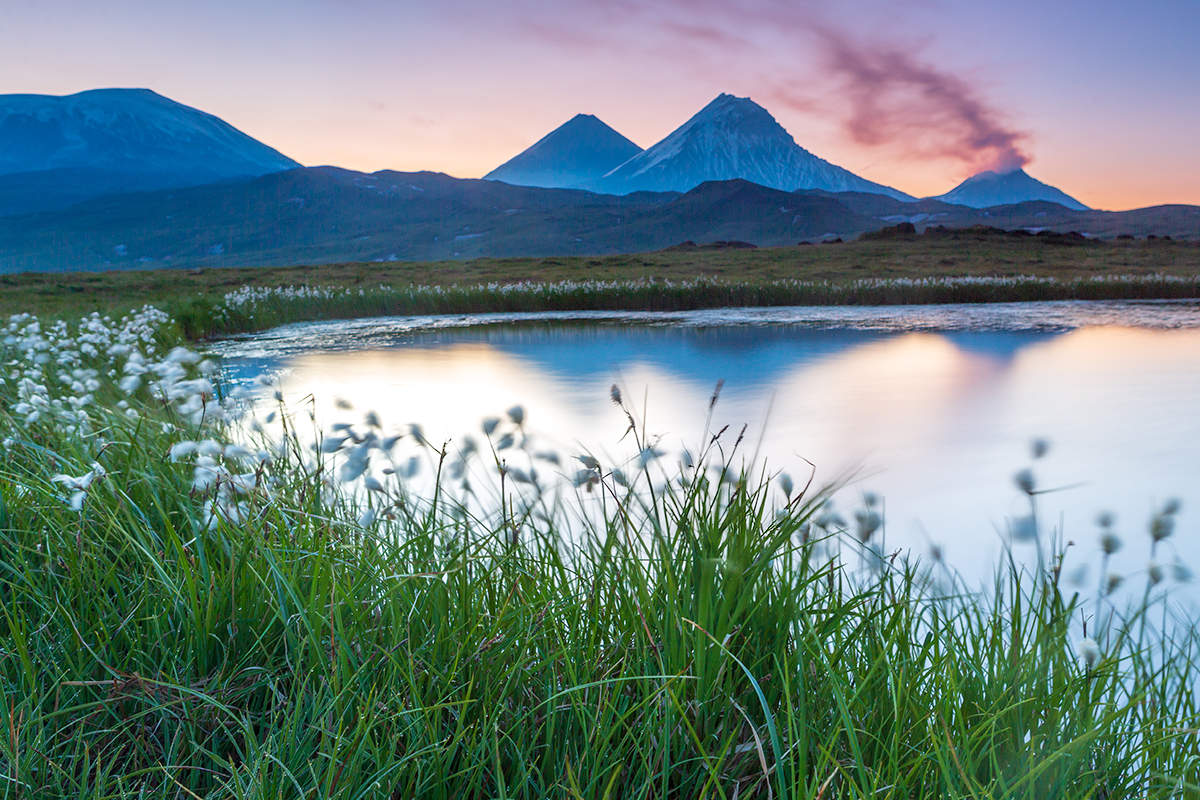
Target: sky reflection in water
column 931, row 407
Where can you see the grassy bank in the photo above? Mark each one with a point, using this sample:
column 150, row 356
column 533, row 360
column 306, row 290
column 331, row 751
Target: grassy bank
column 728, row 274
column 187, row 617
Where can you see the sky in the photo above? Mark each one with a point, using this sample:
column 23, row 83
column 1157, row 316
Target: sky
column 1098, row 97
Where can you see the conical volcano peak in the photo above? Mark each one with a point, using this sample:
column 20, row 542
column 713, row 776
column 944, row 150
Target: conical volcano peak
column 575, row 153
column 1001, row 188
column 733, row 137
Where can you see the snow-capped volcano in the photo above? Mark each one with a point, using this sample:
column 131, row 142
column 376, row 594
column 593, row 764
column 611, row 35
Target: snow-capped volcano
column 733, row 137
column 107, row 140
column 1006, row 188
column 572, row 155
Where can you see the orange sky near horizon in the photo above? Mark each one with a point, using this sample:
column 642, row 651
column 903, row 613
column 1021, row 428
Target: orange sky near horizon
column 1100, row 96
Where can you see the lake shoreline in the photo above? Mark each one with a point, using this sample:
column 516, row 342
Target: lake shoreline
column 251, row 310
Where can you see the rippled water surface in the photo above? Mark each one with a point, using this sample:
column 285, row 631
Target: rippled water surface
column 933, row 407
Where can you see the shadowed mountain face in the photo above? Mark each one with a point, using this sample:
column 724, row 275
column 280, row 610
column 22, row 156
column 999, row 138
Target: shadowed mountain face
column 572, row 155
column 326, row 215
column 1005, row 188
column 731, row 138
column 55, row 151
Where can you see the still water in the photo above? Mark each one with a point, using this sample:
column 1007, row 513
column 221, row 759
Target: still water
column 931, row 407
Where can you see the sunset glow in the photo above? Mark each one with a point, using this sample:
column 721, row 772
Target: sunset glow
column 1099, row 97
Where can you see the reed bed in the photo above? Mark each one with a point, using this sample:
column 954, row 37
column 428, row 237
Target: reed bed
column 188, row 612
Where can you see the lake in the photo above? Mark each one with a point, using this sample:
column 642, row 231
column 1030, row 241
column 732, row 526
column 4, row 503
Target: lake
column 931, row 407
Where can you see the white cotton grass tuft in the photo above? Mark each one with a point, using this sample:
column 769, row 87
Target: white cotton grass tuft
column 1025, row 481
column 1110, row 542
column 1088, row 651
column 1162, row 526
column 866, row 523
column 1154, row 572
column 1039, row 447
column 785, row 483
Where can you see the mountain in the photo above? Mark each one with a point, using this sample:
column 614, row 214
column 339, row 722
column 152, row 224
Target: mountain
column 577, row 152
column 732, row 137
column 322, row 215
column 325, row 215
column 56, row 151
column 1005, row 188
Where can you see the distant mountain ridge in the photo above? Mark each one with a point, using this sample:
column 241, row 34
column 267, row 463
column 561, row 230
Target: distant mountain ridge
column 68, row 148
column 573, row 155
column 1004, row 188
column 731, row 138
column 325, row 215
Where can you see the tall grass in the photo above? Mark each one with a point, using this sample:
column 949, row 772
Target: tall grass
column 252, row 309
column 201, row 619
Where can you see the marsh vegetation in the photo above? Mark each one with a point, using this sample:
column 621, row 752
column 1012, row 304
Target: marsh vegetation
column 190, row 612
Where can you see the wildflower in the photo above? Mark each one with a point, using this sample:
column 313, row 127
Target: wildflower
column 647, row 455
column 1110, row 543
column 867, row 522
column 206, row 474
column 1025, row 481
column 1161, row 527
column 585, row 477
column 517, row 415
column 84, row 481
column 1025, row 529
column 1089, row 651
column 411, row 468
column 355, row 465
column 181, row 355
column 331, row 444
column 210, row 448
column 1039, row 447
column 181, row 450
column 520, row 475
column 237, row 452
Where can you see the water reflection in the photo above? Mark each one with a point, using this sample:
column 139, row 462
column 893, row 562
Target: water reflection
column 935, row 421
